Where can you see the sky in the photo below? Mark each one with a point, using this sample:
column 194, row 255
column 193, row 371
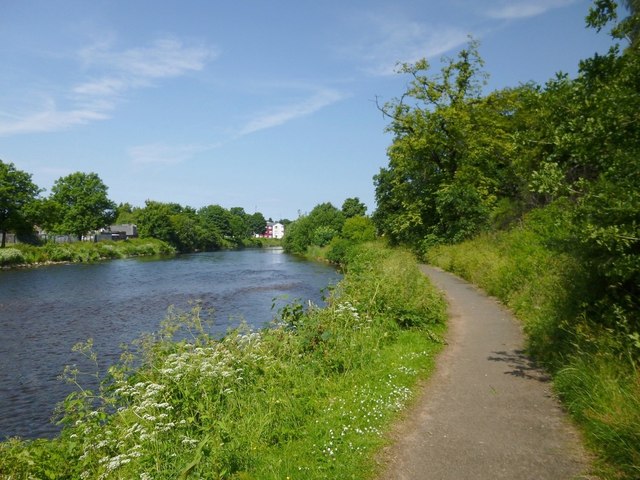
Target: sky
column 265, row 105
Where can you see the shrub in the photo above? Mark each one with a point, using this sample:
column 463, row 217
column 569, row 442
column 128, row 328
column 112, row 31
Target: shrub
column 11, row 256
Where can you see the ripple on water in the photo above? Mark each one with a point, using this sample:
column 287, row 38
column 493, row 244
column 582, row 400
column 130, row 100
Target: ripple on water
column 45, row 311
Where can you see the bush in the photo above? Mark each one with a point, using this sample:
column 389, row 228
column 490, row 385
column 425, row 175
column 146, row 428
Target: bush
column 11, row 256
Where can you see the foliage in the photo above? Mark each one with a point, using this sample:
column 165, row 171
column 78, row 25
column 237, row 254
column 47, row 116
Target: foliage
column 311, row 396
column 358, row 229
column 86, row 251
column 317, row 228
column 594, row 364
column 353, row 207
column 17, row 192
column 124, row 214
column 11, row 256
column 209, row 228
column 558, row 168
column 450, row 156
column 154, row 220
column 81, row 204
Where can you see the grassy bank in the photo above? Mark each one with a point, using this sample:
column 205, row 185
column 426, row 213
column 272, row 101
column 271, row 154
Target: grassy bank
column 593, row 366
column 23, row 254
column 310, row 397
column 84, row 252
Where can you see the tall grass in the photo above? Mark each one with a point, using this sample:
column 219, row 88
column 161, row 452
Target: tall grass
column 599, row 386
column 23, row 254
column 309, row 397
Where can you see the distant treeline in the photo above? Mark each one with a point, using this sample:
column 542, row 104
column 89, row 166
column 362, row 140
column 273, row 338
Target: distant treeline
column 79, row 204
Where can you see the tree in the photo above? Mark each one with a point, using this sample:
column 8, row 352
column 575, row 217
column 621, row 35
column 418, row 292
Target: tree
column 604, row 12
column 318, row 228
column 125, row 213
column 17, row 192
column 83, row 203
column 187, row 231
column 154, row 221
column 442, row 146
column 218, row 218
column 239, row 221
column 358, row 229
column 257, row 223
column 353, row 207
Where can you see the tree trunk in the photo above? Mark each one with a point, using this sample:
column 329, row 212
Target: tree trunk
column 4, row 237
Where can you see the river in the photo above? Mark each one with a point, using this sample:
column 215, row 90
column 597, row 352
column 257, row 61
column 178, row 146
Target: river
column 45, row 311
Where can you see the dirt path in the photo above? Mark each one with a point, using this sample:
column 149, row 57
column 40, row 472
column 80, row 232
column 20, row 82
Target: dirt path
column 488, row 411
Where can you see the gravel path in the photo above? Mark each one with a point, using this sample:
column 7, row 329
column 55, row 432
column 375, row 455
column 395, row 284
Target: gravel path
column 488, row 412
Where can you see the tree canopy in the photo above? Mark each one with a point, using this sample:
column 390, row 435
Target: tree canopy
column 17, row 192
column 462, row 162
column 82, row 204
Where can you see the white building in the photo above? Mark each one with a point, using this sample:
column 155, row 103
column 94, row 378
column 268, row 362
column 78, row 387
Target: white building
column 277, row 230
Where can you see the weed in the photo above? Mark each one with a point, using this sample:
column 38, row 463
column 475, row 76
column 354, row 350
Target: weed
column 310, row 396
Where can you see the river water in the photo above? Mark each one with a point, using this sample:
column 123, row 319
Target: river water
column 45, row 311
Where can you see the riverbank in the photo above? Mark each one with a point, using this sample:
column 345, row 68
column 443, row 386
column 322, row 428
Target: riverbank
column 24, row 255
column 311, row 396
column 30, row 256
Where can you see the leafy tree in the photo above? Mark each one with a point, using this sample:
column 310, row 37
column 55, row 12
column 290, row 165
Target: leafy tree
column 17, row 192
column 322, row 224
column 240, row 224
column 604, row 12
column 358, row 229
column 438, row 153
column 154, row 221
column 82, row 202
column 125, row 213
column 187, row 231
column 257, row 223
column 217, row 218
column 353, row 207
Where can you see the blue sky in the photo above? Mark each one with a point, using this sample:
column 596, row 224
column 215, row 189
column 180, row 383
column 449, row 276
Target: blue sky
column 266, row 105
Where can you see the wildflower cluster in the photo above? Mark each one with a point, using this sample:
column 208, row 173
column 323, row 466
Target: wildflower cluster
column 312, row 396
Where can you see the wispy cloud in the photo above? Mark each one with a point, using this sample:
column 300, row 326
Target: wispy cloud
column 511, row 10
column 49, row 118
column 281, row 115
column 167, row 57
column 112, row 74
column 165, row 154
column 391, row 40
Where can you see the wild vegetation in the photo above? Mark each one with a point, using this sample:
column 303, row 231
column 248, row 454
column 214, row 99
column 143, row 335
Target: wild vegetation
column 24, row 254
column 532, row 192
column 309, row 397
column 329, row 233
column 541, row 184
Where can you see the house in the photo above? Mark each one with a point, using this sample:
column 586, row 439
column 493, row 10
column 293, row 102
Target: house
column 272, row 230
column 123, row 231
column 277, row 230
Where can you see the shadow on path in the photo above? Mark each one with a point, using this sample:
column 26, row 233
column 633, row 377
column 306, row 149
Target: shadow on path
column 488, row 411
column 520, row 365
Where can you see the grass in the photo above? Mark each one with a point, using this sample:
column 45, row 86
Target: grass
column 24, row 254
column 598, row 383
column 311, row 397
